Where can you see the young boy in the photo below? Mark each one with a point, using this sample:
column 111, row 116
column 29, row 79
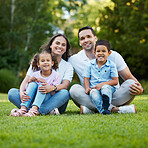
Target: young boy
column 100, row 77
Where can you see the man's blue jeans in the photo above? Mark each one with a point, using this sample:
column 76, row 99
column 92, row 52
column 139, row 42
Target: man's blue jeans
column 58, row 100
column 98, row 96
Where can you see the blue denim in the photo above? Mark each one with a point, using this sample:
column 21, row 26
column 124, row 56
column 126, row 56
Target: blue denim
column 58, row 100
column 32, row 91
column 101, row 96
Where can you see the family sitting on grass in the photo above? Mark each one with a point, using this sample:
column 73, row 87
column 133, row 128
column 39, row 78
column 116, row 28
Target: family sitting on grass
column 44, row 88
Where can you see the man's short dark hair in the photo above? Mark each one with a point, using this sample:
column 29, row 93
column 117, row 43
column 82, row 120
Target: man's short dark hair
column 84, row 28
column 105, row 43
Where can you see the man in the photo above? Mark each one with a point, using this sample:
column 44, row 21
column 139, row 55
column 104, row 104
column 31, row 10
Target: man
column 124, row 94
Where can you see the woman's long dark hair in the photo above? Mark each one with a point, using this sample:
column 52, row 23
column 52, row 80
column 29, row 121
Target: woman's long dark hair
column 65, row 56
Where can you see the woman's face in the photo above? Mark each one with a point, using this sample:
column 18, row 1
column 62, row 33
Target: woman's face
column 58, row 46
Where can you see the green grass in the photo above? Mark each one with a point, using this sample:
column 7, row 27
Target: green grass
column 74, row 130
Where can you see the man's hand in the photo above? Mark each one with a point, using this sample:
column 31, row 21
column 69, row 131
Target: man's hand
column 136, row 89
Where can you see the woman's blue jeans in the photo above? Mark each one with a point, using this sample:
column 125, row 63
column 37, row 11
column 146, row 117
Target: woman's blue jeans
column 58, row 100
column 100, row 96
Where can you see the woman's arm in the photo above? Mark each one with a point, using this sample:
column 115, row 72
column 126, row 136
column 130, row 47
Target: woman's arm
column 63, row 85
column 23, row 85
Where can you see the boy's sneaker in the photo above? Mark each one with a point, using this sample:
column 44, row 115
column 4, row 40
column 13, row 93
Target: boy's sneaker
column 55, row 111
column 127, row 109
column 106, row 103
column 106, row 112
column 85, row 110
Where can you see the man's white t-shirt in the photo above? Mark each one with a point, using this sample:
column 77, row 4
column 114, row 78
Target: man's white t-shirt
column 80, row 60
column 65, row 70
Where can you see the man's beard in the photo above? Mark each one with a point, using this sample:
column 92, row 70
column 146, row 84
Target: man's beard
column 89, row 49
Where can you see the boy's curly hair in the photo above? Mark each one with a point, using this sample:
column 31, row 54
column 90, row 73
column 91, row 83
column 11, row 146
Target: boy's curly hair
column 36, row 57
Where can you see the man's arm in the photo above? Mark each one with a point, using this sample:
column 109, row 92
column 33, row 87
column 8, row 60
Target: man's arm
column 86, row 85
column 135, row 89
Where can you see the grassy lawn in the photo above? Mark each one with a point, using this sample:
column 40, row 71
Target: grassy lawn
column 74, row 130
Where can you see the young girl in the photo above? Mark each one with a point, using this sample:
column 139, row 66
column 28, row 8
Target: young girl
column 59, row 47
column 47, row 74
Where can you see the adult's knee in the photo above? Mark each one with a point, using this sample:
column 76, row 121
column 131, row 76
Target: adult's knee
column 64, row 93
column 128, row 82
column 122, row 95
column 74, row 90
column 11, row 93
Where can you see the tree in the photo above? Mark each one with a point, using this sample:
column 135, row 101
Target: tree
column 87, row 14
column 26, row 25
column 125, row 27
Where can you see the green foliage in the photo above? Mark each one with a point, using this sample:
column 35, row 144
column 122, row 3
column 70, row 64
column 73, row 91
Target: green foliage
column 74, row 130
column 24, row 30
column 125, row 27
column 26, row 25
column 144, row 84
column 124, row 24
column 7, row 80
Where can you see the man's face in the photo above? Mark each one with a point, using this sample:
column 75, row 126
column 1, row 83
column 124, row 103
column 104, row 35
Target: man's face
column 87, row 40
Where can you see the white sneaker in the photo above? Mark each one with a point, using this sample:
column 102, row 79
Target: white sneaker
column 55, row 111
column 14, row 110
column 127, row 109
column 85, row 110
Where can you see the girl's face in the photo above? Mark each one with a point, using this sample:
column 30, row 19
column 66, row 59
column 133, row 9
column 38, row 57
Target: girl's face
column 58, row 46
column 101, row 53
column 45, row 61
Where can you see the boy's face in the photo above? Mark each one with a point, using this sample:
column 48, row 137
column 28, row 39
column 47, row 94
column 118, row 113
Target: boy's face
column 87, row 40
column 101, row 53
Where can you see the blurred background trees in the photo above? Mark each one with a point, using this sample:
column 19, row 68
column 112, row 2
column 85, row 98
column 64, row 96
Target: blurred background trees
column 26, row 24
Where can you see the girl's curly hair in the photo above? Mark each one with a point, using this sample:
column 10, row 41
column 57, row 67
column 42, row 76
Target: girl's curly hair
column 36, row 57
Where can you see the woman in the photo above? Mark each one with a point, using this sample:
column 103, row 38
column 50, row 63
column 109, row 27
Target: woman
column 59, row 47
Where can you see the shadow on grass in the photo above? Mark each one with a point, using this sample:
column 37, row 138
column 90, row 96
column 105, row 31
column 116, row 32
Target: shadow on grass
column 72, row 112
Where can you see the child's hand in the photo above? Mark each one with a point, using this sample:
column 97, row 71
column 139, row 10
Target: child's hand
column 32, row 79
column 41, row 80
column 87, row 90
column 99, row 86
